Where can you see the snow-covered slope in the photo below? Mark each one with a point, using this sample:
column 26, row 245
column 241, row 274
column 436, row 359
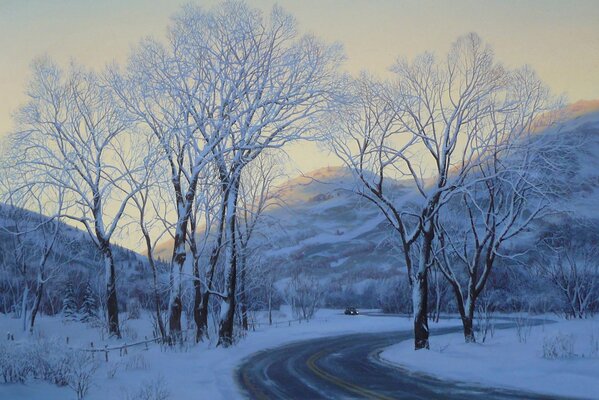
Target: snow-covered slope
column 327, row 230
column 323, row 227
column 74, row 259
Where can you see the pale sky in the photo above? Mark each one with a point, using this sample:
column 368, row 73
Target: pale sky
column 558, row 38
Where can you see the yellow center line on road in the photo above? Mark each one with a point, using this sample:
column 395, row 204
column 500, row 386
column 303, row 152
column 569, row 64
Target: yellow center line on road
column 369, row 394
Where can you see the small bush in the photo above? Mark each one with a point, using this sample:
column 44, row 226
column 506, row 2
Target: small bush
column 560, row 346
column 523, row 328
column 13, row 367
column 80, row 377
column 155, row 389
column 137, row 362
column 50, row 362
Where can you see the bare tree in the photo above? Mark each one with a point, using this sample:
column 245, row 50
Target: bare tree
column 269, row 87
column 431, row 126
column 49, row 231
column 204, row 221
column 70, row 133
column 503, row 195
column 569, row 261
column 304, row 294
column 152, row 215
column 257, row 192
column 35, row 211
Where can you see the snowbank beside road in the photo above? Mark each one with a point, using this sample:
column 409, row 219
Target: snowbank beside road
column 560, row 359
column 195, row 371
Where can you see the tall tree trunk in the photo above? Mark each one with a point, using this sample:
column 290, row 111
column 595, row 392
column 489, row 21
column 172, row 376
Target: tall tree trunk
column 157, row 305
column 227, row 312
column 202, row 321
column 197, row 300
column 466, row 311
column 202, row 328
column 184, row 210
column 420, row 299
column 39, row 290
column 242, row 294
column 36, row 303
column 420, row 291
column 157, row 302
column 468, row 321
column 468, row 325
column 24, row 306
column 112, row 305
column 175, row 304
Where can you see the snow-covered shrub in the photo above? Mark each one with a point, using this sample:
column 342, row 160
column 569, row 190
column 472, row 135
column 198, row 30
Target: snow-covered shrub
column 14, row 366
column 523, row 328
column 50, row 362
column 484, row 318
column 560, row 346
column 154, row 389
column 80, row 377
column 137, row 362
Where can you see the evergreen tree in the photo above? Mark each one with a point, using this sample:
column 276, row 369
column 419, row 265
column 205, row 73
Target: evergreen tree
column 89, row 308
column 69, row 305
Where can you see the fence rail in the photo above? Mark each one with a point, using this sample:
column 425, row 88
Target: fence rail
column 124, row 348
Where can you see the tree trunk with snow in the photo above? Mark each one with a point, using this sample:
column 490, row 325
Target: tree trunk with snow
column 197, row 300
column 242, row 292
column 112, row 305
column 24, row 306
column 227, row 312
column 36, row 303
column 184, row 210
column 175, row 305
column 420, row 284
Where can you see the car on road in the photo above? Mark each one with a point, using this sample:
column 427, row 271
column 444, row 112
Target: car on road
column 351, row 311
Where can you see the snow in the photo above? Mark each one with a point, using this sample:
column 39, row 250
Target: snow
column 203, row 370
column 208, row 372
column 505, row 362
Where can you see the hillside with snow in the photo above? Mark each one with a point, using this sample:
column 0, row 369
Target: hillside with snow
column 74, row 260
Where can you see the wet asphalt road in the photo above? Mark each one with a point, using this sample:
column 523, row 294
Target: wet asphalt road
column 348, row 366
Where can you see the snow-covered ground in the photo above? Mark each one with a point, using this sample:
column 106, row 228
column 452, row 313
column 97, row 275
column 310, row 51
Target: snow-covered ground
column 201, row 371
column 559, row 359
column 204, row 371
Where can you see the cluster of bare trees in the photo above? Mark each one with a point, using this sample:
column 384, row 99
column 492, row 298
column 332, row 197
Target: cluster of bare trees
column 459, row 130
column 178, row 143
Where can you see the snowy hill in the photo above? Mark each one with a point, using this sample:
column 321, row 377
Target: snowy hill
column 324, row 227
column 329, row 231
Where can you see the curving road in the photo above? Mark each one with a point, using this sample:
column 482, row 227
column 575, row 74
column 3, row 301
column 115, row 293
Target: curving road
column 348, row 366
